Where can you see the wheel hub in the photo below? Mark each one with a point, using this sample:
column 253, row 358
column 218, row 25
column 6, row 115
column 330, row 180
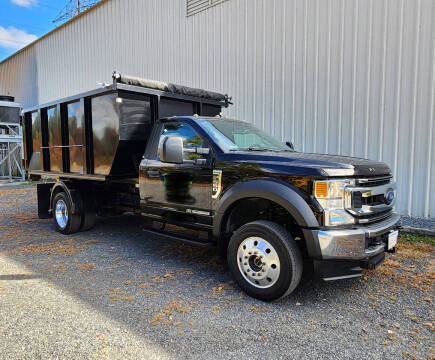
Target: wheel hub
column 255, row 263
column 258, row 262
column 61, row 213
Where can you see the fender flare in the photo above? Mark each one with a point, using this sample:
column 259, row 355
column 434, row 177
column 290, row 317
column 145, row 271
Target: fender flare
column 72, row 193
column 277, row 191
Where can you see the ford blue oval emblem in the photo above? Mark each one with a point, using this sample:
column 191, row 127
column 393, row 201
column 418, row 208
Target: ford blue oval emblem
column 389, row 196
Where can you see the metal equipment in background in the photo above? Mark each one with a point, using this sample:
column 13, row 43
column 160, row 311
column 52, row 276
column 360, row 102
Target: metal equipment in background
column 73, row 8
column 11, row 140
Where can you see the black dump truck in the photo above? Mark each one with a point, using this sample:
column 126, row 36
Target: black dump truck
column 163, row 151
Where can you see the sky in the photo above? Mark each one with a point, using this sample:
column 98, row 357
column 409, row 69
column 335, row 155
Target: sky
column 23, row 21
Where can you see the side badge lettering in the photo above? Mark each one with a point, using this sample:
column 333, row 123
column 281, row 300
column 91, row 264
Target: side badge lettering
column 217, row 184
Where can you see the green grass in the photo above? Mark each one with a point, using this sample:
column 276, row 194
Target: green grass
column 26, row 183
column 415, row 238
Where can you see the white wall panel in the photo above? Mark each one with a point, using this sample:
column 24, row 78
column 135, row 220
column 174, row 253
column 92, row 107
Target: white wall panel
column 354, row 77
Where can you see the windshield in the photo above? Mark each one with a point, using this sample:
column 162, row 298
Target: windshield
column 233, row 135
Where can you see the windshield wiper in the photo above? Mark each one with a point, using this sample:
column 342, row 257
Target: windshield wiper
column 248, row 149
column 257, row 149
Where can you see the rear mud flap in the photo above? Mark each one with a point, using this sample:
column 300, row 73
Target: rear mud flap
column 43, row 191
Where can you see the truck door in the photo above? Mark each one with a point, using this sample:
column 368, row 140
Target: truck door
column 179, row 188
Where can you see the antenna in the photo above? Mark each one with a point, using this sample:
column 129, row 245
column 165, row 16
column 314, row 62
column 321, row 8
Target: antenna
column 73, row 8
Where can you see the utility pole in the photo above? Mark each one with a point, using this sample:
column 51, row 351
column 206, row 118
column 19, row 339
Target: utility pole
column 73, row 8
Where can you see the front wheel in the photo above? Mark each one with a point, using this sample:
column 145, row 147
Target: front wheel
column 265, row 260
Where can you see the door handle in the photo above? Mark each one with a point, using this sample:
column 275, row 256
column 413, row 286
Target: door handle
column 153, row 173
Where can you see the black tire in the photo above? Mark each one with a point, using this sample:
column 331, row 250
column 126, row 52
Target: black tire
column 289, row 271
column 73, row 221
column 89, row 213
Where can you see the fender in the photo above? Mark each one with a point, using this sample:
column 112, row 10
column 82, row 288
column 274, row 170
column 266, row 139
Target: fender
column 72, row 193
column 279, row 192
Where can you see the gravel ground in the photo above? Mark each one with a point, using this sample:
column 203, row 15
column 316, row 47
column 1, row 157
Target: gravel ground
column 418, row 225
column 115, row 292
column 418, row 222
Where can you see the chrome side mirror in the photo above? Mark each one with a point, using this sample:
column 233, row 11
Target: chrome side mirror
column 172, row 150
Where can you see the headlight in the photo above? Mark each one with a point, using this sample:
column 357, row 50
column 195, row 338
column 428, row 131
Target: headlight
column 331, row 196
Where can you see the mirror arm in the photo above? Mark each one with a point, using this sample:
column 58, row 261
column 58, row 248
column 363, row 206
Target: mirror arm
column 201, row 162
column 201, row 151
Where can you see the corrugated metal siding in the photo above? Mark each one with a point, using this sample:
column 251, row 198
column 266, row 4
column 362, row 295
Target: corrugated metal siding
column 354, row 77
column 196, row 6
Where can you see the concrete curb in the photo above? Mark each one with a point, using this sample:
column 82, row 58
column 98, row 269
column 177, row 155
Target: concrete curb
column 419, row 231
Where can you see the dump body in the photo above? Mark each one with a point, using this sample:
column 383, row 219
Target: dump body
column 102, row 133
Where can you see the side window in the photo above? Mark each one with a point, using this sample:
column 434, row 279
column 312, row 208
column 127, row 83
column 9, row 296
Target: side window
column 190, row 138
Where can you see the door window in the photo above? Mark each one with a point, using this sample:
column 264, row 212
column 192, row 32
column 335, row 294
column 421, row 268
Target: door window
column 190, row 138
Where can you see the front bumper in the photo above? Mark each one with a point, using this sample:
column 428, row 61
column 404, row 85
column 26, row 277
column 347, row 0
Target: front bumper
column 356, row 244
column 345, row 252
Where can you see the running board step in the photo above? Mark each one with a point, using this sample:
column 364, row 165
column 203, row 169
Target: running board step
column 174, row 237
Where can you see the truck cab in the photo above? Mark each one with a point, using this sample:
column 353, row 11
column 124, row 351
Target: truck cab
column 269, row 208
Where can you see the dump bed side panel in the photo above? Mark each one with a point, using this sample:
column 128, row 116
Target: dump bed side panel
column 135, row 122
column 55, row 139
column 102, row 133
column 76, row 137
column 105, row 130
column 35, row 134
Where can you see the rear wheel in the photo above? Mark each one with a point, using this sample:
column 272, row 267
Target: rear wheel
column 64, row 220
column 265, row 260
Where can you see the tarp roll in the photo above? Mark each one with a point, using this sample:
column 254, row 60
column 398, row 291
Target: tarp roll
column 169, row 87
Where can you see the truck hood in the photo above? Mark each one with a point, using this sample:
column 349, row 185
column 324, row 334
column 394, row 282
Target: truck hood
column 311, row 164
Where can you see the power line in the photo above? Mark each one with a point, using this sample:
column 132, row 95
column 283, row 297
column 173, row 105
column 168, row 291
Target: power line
column 73, row 8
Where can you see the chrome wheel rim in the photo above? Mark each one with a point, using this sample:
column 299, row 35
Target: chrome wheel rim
column 258, row 262
column 61, row 213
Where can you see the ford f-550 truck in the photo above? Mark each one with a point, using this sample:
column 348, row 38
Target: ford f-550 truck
column 163, row 151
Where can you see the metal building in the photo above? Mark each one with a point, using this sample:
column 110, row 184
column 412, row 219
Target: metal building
column 353, row 77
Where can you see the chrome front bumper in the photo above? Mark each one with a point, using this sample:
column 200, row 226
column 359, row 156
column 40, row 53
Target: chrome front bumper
column 350, row 244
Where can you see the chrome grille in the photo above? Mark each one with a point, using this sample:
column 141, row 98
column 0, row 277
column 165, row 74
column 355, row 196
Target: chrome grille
column 369, row 200
column 370, row 182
